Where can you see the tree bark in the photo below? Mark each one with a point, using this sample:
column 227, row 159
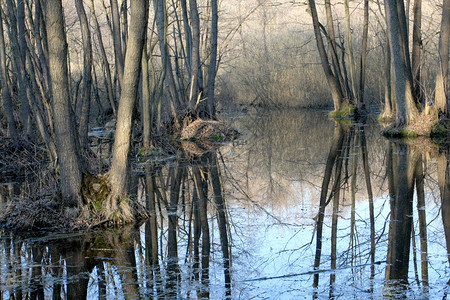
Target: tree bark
column 87, row 74
column 118, row 51
column 195, row 52
column 441, row 93
column 120, row 168
column 417, row 45
column 212, row 59
column 331, row 79
column 6, row 94
column 406, row 111
column 105, row 63
column 362, row 78
column 161, row 26
column 18, row 57
column 65, row 136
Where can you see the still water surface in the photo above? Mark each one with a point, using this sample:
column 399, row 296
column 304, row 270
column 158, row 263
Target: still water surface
column 298, row 207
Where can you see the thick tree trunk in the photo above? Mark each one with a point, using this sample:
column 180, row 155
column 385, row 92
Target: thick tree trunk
column 65, row 136
column 402, row 175
column 120, row 169
column 406, row 111
column 331, row 79
column 441, row 93
column 87, row 74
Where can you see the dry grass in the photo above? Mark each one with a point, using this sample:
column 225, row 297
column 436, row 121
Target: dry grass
column 17, row 155
column 208, row 130
column 26, row 216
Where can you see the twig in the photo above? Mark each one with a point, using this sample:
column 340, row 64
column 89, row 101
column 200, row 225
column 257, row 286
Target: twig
column 313, row 272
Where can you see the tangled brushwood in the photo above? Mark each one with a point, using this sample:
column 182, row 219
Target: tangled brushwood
column 26, row 215
column 18, row 155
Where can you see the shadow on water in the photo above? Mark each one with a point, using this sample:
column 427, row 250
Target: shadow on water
column 298, row 207
column 166, row 257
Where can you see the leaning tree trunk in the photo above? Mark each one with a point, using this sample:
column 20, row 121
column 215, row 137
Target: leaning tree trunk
column 65, row 135
column 442, row 74
column 119, row 174
column 87, row 74
column 331, row 79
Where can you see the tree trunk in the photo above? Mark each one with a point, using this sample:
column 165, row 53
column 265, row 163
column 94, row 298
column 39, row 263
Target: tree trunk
column 105, row 63
column 336, row 147
column 441, row 96
column 161, row 26
column 417, row 45
column 351, row 59
column 18, row 57
column 120, row 169
column 331, row 79
column 87, row 75
column 118, row 52
column 419, row 177
column 195, row 52
column 6, row 94
column 406, row 111
column 65, row 135
column 212, row 59
column 362, row 78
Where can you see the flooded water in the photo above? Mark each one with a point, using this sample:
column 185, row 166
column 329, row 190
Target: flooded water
column 298, row 207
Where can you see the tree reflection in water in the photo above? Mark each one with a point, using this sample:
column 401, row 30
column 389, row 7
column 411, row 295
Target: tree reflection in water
column 315, row 209
column 405, row 172
column 167, row 257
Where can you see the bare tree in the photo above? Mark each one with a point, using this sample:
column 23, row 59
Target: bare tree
column 119, row 174
column 406, row 110
column 333, row 82
column 87, row 74
column 212, row 59
column 65, row 134
column 6, row 94
column 441, row 93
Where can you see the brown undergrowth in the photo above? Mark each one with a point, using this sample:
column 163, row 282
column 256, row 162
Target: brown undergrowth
column 422, row 126
column 35, row 212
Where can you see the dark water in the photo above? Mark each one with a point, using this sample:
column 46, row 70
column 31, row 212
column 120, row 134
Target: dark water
column 297, row 208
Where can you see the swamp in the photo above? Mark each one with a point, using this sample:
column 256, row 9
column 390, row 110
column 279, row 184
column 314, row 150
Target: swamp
column 273, row 179
column 239, row 149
